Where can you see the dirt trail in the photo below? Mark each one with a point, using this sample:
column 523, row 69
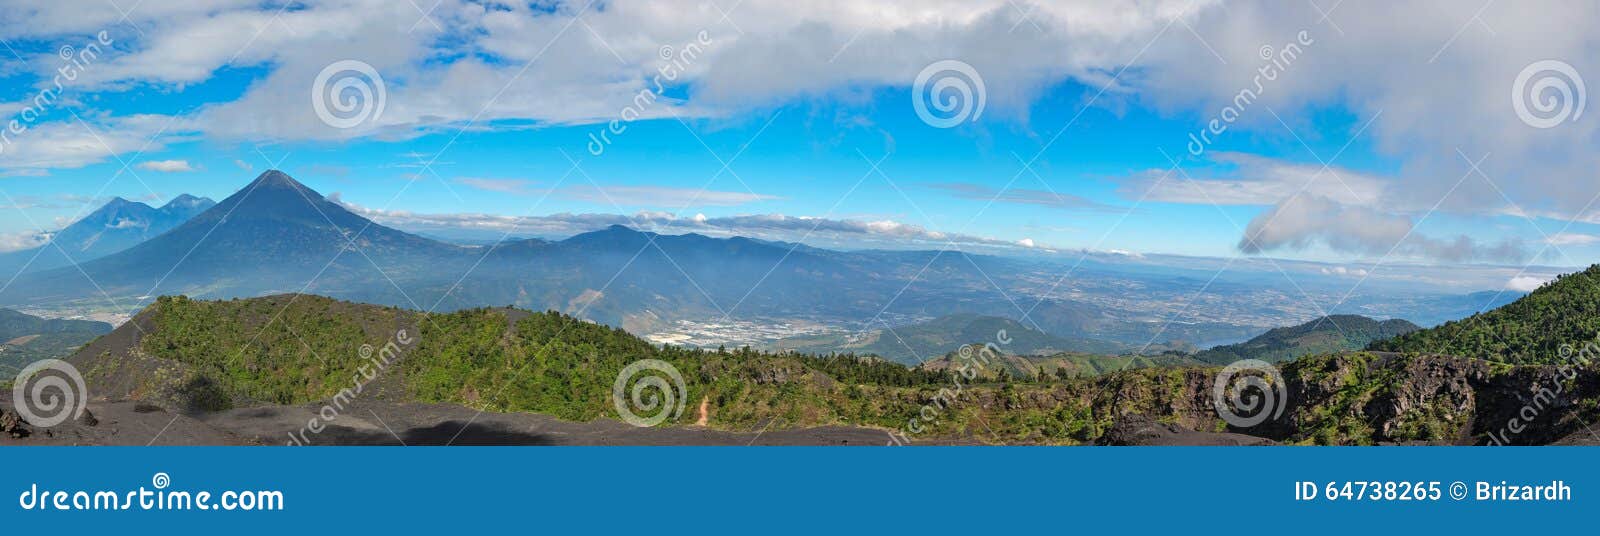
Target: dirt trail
column 705, row 416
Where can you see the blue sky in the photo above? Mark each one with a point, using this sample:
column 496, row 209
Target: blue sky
column 1083, row 140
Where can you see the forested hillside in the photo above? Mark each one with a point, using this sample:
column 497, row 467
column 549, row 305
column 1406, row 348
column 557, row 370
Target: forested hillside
column 1334, row 333
column 1531, row 330
column 198, row 356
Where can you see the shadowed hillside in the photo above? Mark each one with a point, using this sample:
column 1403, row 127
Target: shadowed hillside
column 1334, row 333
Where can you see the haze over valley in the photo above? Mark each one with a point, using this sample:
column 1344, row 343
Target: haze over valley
column 275, row 235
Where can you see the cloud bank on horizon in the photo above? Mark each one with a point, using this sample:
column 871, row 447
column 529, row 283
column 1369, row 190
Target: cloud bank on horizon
column 1430, row 131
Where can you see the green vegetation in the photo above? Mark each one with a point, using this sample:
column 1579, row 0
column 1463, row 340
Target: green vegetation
column 1530, row 330
column 302, row 349
column 494, row 359
column 26, row 338
column 1334, row 333
column 1055, row 367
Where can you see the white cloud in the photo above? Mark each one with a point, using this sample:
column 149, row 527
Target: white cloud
column 125, row 223
column 1430, row 78
column 74, row 144
column 1525, row 283
column 807, row 229
column 1307, row 221
column 23, row 240
column 1254, row 180
column 1430, row 87
column 166, row 166
column 761, row 53
column 1343, row 271
column 1571, row 239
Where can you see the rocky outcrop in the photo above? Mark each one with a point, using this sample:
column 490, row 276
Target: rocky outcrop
column 1357, row 398
column 1139, row 430
column 12, row 425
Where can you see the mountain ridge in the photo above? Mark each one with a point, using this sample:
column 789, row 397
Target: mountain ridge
column 116, row 226
column 1328, row 334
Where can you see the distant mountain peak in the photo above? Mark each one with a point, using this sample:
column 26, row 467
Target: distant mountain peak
column 273, row 179
column 610, row 235
column 117, row 207
column 186, row 201
column 115, row 226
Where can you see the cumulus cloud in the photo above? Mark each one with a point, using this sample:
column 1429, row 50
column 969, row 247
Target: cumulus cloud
column 23, row 240
column 166, row 166
column 1432, row 81
column 125, row 223
column 1525, row 283
column 74, row 144
column 1343, row 271
column 1307, row 221
column 574, row 62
